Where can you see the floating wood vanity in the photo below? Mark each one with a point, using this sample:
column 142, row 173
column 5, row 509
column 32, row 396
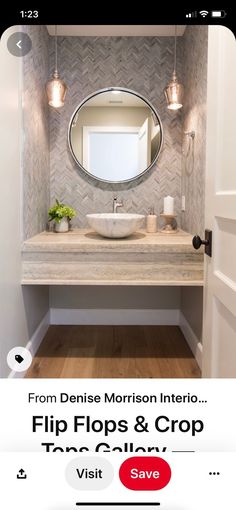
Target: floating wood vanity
column 82, row 257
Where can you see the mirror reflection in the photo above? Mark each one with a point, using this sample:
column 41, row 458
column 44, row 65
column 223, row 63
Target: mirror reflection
column 115, row 135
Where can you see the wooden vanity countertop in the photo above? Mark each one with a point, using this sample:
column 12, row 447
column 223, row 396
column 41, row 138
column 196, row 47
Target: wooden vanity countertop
column 83, row 240
column 82, row 257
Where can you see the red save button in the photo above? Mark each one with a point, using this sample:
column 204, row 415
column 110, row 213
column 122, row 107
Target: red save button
column 145, row 473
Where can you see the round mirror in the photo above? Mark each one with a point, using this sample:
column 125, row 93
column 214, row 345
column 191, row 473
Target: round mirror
column 115, row 135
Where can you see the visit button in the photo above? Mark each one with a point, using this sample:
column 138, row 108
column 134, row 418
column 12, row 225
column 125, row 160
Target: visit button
column 145, row 473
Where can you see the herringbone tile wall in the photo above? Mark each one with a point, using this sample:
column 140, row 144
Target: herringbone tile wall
column 194, row 48
column 87, row 64
column 35, row 119
column 144, row 64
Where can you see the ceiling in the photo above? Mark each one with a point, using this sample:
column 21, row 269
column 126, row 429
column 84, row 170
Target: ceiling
column 116, row 30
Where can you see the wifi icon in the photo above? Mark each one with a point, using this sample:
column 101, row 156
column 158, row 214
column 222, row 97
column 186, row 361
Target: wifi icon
column 204, row 13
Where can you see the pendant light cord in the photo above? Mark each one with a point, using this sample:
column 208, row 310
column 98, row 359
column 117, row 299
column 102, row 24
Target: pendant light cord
column 175, row 50
column 56, row 49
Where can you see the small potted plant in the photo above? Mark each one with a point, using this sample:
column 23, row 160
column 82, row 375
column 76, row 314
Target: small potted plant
column 61, row 214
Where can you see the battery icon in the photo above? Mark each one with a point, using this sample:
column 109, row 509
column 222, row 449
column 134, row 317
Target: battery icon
column 218, row 14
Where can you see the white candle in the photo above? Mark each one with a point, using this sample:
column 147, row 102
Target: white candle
column 168, row 205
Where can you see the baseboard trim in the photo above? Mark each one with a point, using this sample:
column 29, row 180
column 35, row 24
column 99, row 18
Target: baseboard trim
column 64, row 316
column 34, row 342
column 191, row 338
column 39, row 334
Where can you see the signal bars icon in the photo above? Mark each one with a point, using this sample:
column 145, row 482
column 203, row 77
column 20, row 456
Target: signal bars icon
column 191, row 14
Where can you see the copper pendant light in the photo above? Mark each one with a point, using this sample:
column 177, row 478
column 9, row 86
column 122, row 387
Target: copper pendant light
column 174, row 91
column 56, row 88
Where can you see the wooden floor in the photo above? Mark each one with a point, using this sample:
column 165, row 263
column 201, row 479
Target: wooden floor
column 114, row 351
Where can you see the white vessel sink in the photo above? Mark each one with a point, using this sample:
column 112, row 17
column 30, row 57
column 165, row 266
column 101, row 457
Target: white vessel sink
column 115, row 225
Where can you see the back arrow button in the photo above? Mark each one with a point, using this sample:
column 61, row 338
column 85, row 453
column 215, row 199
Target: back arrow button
column 19, row 44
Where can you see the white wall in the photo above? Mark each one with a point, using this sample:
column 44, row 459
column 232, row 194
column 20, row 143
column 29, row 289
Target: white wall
column 192, row 308
column 21, row 310
column 107, row 297
column 114, row 305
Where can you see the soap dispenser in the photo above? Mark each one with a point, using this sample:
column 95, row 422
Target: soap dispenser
column 151, row 222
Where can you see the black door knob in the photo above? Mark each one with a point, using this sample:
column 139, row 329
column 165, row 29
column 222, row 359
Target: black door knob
column 207, row 242
column 197, row 242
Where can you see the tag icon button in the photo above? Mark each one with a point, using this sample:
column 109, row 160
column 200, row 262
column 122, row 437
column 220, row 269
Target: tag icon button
column 19, row 358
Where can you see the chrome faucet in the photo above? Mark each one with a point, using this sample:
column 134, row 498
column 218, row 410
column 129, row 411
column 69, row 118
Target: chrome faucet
column 116, row 204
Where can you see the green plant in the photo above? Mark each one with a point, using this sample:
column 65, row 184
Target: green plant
column 59, row 211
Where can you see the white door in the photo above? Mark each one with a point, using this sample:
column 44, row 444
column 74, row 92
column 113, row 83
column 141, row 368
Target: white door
column 144, row 146
column 219, row 322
